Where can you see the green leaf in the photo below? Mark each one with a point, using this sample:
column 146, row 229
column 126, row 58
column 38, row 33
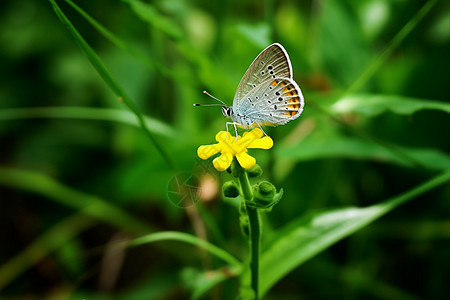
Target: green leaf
column 199, row 282
column 394, row 43
column 190, row 239
column 118, row 42
column 355, row 148
column 149, row 14
column 87, row 113
column 373, row 105
column 339, row 37
column 93, row 206
column 309, row 235
column 97, row 63
column 258, row 34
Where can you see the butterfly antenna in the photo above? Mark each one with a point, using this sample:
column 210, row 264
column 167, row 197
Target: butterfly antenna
column 205, row 92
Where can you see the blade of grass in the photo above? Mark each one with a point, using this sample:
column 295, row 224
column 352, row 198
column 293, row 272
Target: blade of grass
column 109, row 80
column 360, row 149
column 401, row 35
column 86, row 113
column 126, row 46
column 49, row 241
column 309, row 235
column 96, row 207
column 371, row 105
column 148, row 12
column 190, row 239
column 402, row 155
column 206, row 69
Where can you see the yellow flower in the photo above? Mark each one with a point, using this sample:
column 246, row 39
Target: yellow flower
column 229, row 146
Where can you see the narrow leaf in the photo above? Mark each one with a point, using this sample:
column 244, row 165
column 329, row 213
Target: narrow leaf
column 86, row 113
column 145, row 59
column 395, row 42
column 149, row 14
column 353, row 148
column 373, row 105
column 190, row 239
column 107, row 77
column 93, row 206
column 309, row 235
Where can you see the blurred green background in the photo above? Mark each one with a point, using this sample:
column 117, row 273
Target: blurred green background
column 77, row 173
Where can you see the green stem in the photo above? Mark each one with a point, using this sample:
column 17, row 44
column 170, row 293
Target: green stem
column 255, row 230
column 245, row 184
column 255, row 235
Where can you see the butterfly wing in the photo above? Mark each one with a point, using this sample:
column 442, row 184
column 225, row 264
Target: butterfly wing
column 273, row 62
column 271, row 103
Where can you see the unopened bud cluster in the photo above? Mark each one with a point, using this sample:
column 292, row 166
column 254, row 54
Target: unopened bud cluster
column 264, row 193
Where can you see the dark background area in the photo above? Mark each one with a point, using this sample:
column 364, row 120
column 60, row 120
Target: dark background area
column 325, row 159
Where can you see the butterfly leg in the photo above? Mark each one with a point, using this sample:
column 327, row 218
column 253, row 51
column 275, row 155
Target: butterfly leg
column 235, row 128
column 261, row 129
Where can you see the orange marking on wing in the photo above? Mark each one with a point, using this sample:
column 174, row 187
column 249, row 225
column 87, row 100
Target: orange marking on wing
column 294, row 100
column 285, row 90
column 282, row 84
column 291, row 113
column 274, row 83
column 294, row 106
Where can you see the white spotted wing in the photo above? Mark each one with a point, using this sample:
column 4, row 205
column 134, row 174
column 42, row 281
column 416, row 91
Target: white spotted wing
column 267, row 94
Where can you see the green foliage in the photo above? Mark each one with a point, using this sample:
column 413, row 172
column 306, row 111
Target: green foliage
column 75, row 176
column 373, row 105
column 306, row 236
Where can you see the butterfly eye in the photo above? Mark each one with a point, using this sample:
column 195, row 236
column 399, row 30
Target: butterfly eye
column 226, row 111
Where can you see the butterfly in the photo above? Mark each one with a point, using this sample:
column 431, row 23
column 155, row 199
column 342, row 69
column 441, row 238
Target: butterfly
column 267, row 94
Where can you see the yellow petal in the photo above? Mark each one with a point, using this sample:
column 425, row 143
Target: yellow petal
column 222, row 162
column 206, row 151
column 255, row 133
column 248, row 138
column 222, row 136
column 263, row 143
column 246, row 161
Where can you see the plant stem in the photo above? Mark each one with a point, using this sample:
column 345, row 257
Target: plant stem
column 245, row 185
column 255, row 230
column 255, row 234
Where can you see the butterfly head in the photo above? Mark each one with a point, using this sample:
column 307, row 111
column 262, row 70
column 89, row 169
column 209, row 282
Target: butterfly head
column 227, row 111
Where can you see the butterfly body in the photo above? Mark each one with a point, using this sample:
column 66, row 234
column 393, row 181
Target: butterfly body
column 267, row 94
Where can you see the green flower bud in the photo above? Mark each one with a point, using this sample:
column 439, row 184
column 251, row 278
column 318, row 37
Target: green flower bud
column 265, row 195
column 266, row 190
column 230, row 189
column 255, row 171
